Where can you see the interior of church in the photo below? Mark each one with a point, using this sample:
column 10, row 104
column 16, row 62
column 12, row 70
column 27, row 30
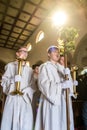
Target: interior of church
column 30, row 23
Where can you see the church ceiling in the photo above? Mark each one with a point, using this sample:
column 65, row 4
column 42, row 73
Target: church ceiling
column 20, row 18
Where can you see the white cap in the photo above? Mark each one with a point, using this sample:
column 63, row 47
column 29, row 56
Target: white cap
column 52, row 48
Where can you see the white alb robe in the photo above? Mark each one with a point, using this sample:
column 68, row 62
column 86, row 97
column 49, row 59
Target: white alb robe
column 17, row 114
column 51, row 113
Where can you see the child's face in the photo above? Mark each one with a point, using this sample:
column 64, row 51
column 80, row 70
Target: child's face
column 54, row 55
column 22, row 53
column 36, row 70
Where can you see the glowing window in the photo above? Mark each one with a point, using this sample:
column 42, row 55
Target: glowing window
column 29, row 46
column 40, row 36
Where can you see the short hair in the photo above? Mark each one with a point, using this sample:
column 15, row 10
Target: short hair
column 61, row 55
column 35, row 65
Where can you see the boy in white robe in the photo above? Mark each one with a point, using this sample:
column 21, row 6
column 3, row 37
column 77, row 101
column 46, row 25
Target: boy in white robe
column 52, row 83
column 17, row 114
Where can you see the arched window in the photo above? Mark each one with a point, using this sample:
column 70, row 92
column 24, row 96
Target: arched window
column 40, row 36
column 29, row 46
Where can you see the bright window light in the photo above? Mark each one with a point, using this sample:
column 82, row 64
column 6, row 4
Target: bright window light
column 40, row 36
column 29, row 46
column 59, row 18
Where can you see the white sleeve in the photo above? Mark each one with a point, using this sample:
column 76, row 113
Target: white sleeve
column 6, row 79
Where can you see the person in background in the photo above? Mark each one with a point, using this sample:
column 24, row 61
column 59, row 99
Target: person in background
column 61, row 60
column 72, row 96
column 37, row 93
column 18, row 114
column 35, row 68
column 51, row 113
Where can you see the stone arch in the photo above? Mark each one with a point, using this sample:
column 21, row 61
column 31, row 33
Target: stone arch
column 80, row 55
